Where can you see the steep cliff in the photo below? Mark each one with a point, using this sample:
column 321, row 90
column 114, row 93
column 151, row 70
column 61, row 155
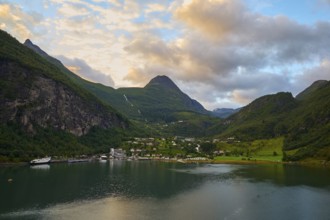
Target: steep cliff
column 34, row 93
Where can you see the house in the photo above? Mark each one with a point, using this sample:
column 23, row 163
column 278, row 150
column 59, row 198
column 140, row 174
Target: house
column 219, row 152
column 189, row 139
column 198, row 148
column 117, row 153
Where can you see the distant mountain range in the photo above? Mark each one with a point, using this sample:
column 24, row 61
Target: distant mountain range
column 224, row 112
column 46, row 108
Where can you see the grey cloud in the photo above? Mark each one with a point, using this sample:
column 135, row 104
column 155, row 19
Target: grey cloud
column 283, row 39
column 287, row 41
column 325, row 1
column 319, row 72
column 151, row 48
column 81, row 68
column 223, row 59
column 232, row 51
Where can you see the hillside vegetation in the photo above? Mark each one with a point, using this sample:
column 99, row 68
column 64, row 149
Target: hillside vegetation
column 47, row 109
column 43, row 110
column 304, row 122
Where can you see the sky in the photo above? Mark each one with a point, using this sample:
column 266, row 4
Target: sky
column 223, row 53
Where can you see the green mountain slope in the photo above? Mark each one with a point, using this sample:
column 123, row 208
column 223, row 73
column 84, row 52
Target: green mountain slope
column 159, row 100
column 45, row 108
column 36, row 96
column 261, row 119
column 309, row 125
column 304, row 122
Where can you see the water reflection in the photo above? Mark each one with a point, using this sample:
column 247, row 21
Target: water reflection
column 208, row 169
column 286, row 175
column 41, row 167
column 155, row 190
column 209, row 201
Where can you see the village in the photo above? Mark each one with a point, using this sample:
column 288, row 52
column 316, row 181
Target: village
column 175, row 148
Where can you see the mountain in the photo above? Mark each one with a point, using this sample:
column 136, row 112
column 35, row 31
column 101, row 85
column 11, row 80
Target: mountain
column 47, row 109
column 224, row 112
column 260, row 119
column 159, row 100
column 106, row 94
column 34, row 47
column 312, row 88
column 163, row 81
column 303, row 122
column 36, row 95
column 309, row 125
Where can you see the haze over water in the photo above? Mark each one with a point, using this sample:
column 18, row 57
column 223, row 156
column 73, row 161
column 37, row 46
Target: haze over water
column 157, row 190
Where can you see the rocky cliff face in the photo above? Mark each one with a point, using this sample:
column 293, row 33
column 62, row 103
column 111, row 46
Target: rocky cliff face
column 33, row 99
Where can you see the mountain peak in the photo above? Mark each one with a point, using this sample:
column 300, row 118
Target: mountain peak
column 35, row 48
column 28, row 42
column 163, row 81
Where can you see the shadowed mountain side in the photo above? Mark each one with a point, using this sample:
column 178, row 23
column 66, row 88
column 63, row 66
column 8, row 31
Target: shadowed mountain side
column 157, row 101
column 259, row 119
column 39, row 95
column 309, row 125
column 44, row 112
column 304, row 122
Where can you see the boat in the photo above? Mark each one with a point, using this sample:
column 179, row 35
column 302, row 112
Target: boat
column 44, row 160
column 103, row 158
column 143, row 158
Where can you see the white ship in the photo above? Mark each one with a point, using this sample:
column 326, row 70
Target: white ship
column 40, row 161
column 103, row 158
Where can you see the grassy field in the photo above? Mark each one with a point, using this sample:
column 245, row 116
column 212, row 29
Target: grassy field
column 258, row 150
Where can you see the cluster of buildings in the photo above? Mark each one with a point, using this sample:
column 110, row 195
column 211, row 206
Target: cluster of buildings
column 156, row 147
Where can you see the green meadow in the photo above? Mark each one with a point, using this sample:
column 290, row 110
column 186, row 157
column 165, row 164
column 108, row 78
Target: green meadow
column 258, row 150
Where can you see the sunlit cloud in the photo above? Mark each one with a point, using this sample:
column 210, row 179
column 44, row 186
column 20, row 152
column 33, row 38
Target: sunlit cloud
column 82, row 69
column 17, row 21
column 220, row 52
column 216, row 18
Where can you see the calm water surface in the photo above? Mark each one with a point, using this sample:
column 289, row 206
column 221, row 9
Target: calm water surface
column 157, row 190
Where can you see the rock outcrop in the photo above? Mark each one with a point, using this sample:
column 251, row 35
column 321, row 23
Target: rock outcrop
column 32, row 99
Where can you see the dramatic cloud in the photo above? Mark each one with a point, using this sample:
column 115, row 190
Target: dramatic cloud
column 217, row 18
column 238, row 54
column 81, row 68
column 224, row 53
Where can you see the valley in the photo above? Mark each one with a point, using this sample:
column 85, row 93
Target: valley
column 48, row 110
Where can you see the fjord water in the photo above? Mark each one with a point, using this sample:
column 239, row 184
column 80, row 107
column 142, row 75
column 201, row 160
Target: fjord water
column 159, row 190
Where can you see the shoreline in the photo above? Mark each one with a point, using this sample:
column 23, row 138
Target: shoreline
column 306, row 163
column 318, row 163
column 11, row 164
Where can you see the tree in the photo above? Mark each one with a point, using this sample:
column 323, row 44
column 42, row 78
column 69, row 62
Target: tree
column 208, row 147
